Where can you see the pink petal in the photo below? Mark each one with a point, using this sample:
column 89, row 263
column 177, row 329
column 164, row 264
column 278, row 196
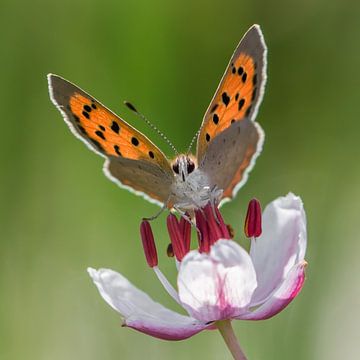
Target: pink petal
column 139, row 311
column 217, row 285
column 281, row 245
column 282, row 297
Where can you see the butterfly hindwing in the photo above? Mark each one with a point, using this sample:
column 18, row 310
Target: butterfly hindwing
column 240, row 91
column 231, row 155
column 128, row 151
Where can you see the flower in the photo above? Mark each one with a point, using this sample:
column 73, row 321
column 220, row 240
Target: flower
column 220, row 280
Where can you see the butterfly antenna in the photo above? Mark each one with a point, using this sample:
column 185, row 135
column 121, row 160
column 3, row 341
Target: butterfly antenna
column 133, row 109
column 192, row 141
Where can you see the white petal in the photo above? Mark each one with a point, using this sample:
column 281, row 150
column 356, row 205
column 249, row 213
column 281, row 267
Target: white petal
column 218, row 285
column 282, row 297
column 281, row 245
column 140, row 311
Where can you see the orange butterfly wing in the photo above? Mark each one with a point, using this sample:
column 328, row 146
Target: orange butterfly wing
column 133, row 160
column 237, row 98
column 240, row 91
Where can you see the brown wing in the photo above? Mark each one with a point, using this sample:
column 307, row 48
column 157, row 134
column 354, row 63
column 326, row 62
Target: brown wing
column 140, row 177
column 231, row 155
column 113, row 138
column 240, row 91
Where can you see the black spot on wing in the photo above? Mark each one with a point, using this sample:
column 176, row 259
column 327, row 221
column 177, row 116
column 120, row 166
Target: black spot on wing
column 241, row 104
column 115, row 127
column 215, row 119
column 117, row 150
column 225, row 98
column 100, row 134
column 134, row 141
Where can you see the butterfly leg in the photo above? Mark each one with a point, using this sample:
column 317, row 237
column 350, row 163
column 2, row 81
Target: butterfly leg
column 215, row 194
column 163, row 208
column 214, row 212
column 189, row 219
column 184, row 215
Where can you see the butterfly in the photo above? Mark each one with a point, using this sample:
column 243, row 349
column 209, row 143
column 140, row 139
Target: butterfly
column 229, row 140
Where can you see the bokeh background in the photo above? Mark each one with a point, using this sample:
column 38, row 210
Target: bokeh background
column 59, row 214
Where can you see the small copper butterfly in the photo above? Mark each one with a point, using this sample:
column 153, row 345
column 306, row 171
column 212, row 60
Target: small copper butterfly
column 229, row 140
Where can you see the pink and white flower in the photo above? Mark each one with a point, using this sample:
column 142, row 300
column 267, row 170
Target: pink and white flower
column 220, row 280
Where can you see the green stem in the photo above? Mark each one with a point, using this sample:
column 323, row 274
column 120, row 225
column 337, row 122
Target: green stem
column 230, row 339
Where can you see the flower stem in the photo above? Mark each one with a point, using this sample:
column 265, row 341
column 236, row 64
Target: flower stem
column 230, row 339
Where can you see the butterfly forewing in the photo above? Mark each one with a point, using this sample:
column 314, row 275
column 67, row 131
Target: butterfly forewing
column 128, row 151
column 140, row 177
column 240, row 91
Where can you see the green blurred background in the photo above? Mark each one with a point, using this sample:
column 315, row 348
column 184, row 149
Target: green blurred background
column 59, row 214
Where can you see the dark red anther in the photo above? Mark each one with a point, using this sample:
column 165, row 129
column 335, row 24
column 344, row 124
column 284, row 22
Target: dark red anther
column 225, row 232
column 148, row 242
column 185, row 228
column 176, row 237
column 202, row 231
column 215, row 232
column 211, row 227
column 252, row 225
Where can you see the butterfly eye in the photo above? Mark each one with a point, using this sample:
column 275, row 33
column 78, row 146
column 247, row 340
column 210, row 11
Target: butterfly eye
column 176, row 168
column 190, row 166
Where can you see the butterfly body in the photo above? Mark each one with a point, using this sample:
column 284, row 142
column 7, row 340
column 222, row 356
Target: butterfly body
column 191, row 188
column 228, row 143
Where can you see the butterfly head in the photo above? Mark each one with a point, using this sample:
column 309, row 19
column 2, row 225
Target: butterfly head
column 183, row 166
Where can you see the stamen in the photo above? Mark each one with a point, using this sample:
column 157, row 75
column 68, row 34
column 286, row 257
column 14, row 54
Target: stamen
column 176, row 237
column 185, row 227
column 148, row 242
column 226, row 234
column 168, row 287
column 203, row 231
column 252, row 227
column 211, row 227
column 215, row 232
